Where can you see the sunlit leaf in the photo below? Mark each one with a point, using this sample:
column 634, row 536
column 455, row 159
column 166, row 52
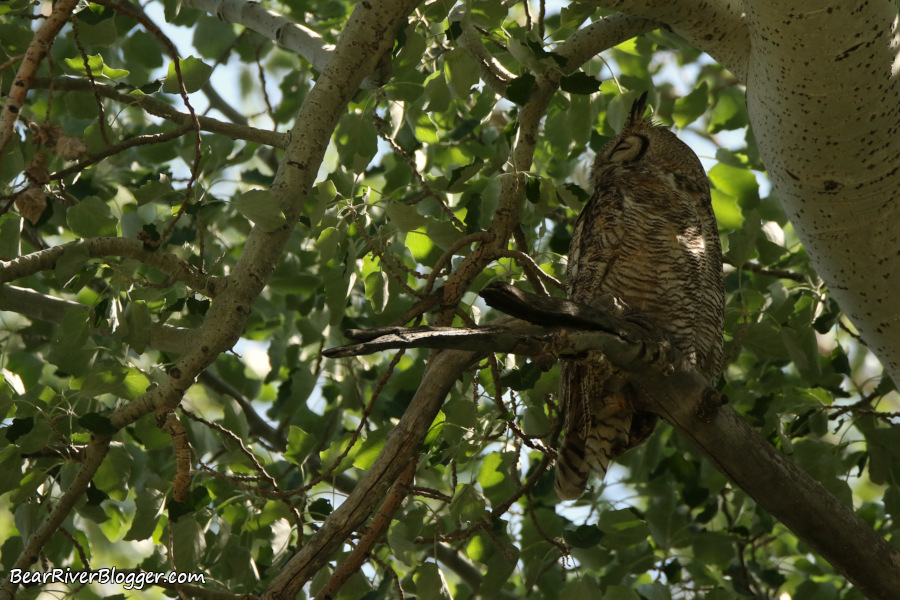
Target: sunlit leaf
column 194, row 73
column 261, row 208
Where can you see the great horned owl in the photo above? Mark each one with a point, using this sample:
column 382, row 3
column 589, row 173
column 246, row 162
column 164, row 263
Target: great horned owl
column 646, row 243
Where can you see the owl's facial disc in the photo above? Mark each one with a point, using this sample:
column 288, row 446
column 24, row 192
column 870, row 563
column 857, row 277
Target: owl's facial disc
column 628, row 149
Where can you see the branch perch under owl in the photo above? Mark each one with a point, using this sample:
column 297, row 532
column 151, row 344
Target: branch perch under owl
column 544, row 328
column 738, row 451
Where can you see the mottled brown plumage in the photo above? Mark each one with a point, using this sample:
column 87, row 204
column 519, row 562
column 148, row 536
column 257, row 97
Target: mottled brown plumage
column 645, row 243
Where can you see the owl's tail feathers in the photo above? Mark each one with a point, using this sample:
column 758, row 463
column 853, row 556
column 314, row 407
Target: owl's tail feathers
column 580, row 455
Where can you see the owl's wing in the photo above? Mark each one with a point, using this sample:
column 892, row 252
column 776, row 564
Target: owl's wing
column 597, row 419
column 597, row 240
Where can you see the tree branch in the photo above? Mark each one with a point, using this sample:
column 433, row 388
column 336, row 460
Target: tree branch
column 278, row 28
column 836, row 80
column 717, row 28
column 403, row 442
column 373, row 533
column 684, row 399
column 788, row 493
column 494, row 74
column 99, row 247
column 93, row 455
column 37, row 49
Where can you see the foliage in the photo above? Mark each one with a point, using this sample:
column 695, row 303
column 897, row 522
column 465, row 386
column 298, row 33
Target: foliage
column 408, row 187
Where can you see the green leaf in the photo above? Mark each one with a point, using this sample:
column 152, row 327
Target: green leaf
column 535, row 422
column 467, row 504
column 261, row 208
column 729, row 112
column 356, row 141
column 96, row 25
column 620, row 592
column 579, row 83
column 533, row 190
column 582, row 588
column 11, row 467
column 884, row 453
column 405, row 217
column 138, row 326
column 519, row 89
column 460, row 175
column 713, row 548
column 691, row 107
column 68, row 351
column 622, row 529
column 320, row 508
column 522, row 378
column 728, row 211
column 91, row 218
column 148, row 509
column 583, row 536
column 430, row 583
column 327, row 243
column 10, row 226
column 496, row 476
column 72, row 263
column 300, row 444
column 377, row 290
column 738, row 183
column 188, row 542
column 461, row 71
column 113, row 474
column 370, row 449
column 12, row 162
column 419, row 245
column 213, row 37
column 194, row 72
column 28, row 485
column 97, row 423
column 97, row 66
column 19, row 427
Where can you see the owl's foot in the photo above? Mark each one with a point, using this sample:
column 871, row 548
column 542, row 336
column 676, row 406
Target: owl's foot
column 657, row 351
column 658, row 356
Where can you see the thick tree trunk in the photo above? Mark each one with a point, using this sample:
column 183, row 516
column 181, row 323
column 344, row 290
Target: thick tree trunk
column 824, row 100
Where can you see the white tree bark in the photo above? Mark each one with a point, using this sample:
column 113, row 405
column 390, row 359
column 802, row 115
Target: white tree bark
column 289, row 35
column 824, row 101
column 823, row 94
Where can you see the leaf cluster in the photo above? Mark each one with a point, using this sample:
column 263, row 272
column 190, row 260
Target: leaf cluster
column 408, row 192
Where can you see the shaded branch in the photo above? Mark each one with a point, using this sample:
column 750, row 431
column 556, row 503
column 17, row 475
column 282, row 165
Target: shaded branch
column 718, row 28
column 168, row 263
column 373, row 533
column 778, row 273
column 93, row 456
column 34, row 55
column 403, row 442
column 493, row 73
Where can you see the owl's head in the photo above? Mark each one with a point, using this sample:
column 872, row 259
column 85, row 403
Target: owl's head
column 649, row 150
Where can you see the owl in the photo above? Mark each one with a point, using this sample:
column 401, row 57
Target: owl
column 646, row 246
